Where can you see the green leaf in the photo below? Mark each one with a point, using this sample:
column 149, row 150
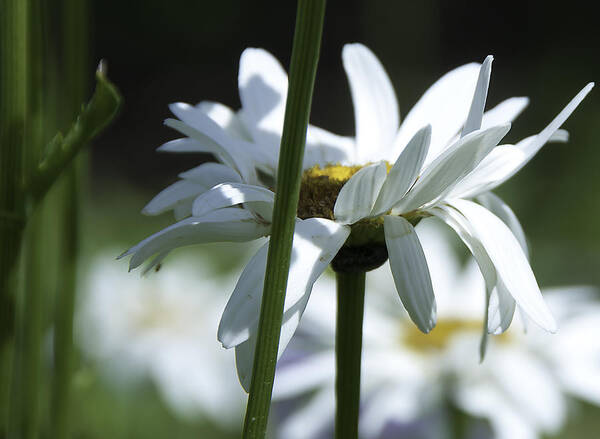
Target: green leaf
column 102, row 108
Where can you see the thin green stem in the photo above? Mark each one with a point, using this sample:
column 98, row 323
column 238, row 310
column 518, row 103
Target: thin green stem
column 457, row 421
column 64, row 309
column 31, row 323
column 348, row 350
column 305, row 56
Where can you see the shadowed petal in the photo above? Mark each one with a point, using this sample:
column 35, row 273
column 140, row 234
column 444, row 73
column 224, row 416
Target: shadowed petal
column 451, row 166
column 509, row 261
column 357, row 197
column 475, row 116
column 410, row 271
column 223, row 225
column 230, row 194
column 404, row 172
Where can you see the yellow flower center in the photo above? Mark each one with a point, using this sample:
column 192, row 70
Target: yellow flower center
column 319, row 189
column 365, row 248
column 440, row 336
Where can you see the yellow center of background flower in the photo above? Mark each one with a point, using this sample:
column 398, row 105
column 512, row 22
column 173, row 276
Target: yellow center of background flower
column 440, row 336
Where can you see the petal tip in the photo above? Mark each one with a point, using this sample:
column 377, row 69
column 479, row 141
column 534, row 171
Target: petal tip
column 122, row 255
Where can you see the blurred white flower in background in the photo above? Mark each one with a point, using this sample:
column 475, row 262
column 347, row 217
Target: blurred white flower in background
column 521, row 387
column 163, row 327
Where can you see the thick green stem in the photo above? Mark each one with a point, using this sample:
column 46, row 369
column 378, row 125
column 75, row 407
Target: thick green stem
column 305, row 56
column 74, row 44
column 14, row 41
column 348, row 350
column 13, row 114
column 29, row 321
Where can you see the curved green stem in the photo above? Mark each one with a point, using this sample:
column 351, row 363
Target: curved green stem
column 348, row 350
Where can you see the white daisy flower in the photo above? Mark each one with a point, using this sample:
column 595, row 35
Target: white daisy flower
column 162, row 329
column 521, row 389
column 360, row 198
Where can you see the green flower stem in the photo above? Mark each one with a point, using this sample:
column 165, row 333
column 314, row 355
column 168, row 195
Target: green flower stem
column 348, row 350
column 457, row 421
column 305, row 56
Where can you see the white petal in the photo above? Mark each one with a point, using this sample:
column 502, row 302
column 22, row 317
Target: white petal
column 501, row 309
column 323, row 147
column 357, row 197
column 465, row 231
column 445, row 106
column 492, row 169
column 179, row 196
column 475, row 116
column 155, row 262
column 392, row 403
column 306, row 374
column 211, row 174
column 541, row 139
column 244, row 352
column 172, row 195
column 263, row 88
column 233, row 152
column 499, row 165
column 375, row 106
column 224, row 225
column 509, row 261
column 530, row 146
column 229, row 194
column 225, row 117
column 483, row 343
column 183, row 209
column 316, row 242
column 184, row 145
column 410, row 271
column 312, row 419
column 499, row 208
column 451, row 166
column 486, row 400
column 404, row 172
column 505, row 112
column 244, row 360
column 559, row 136
column 527, row 382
